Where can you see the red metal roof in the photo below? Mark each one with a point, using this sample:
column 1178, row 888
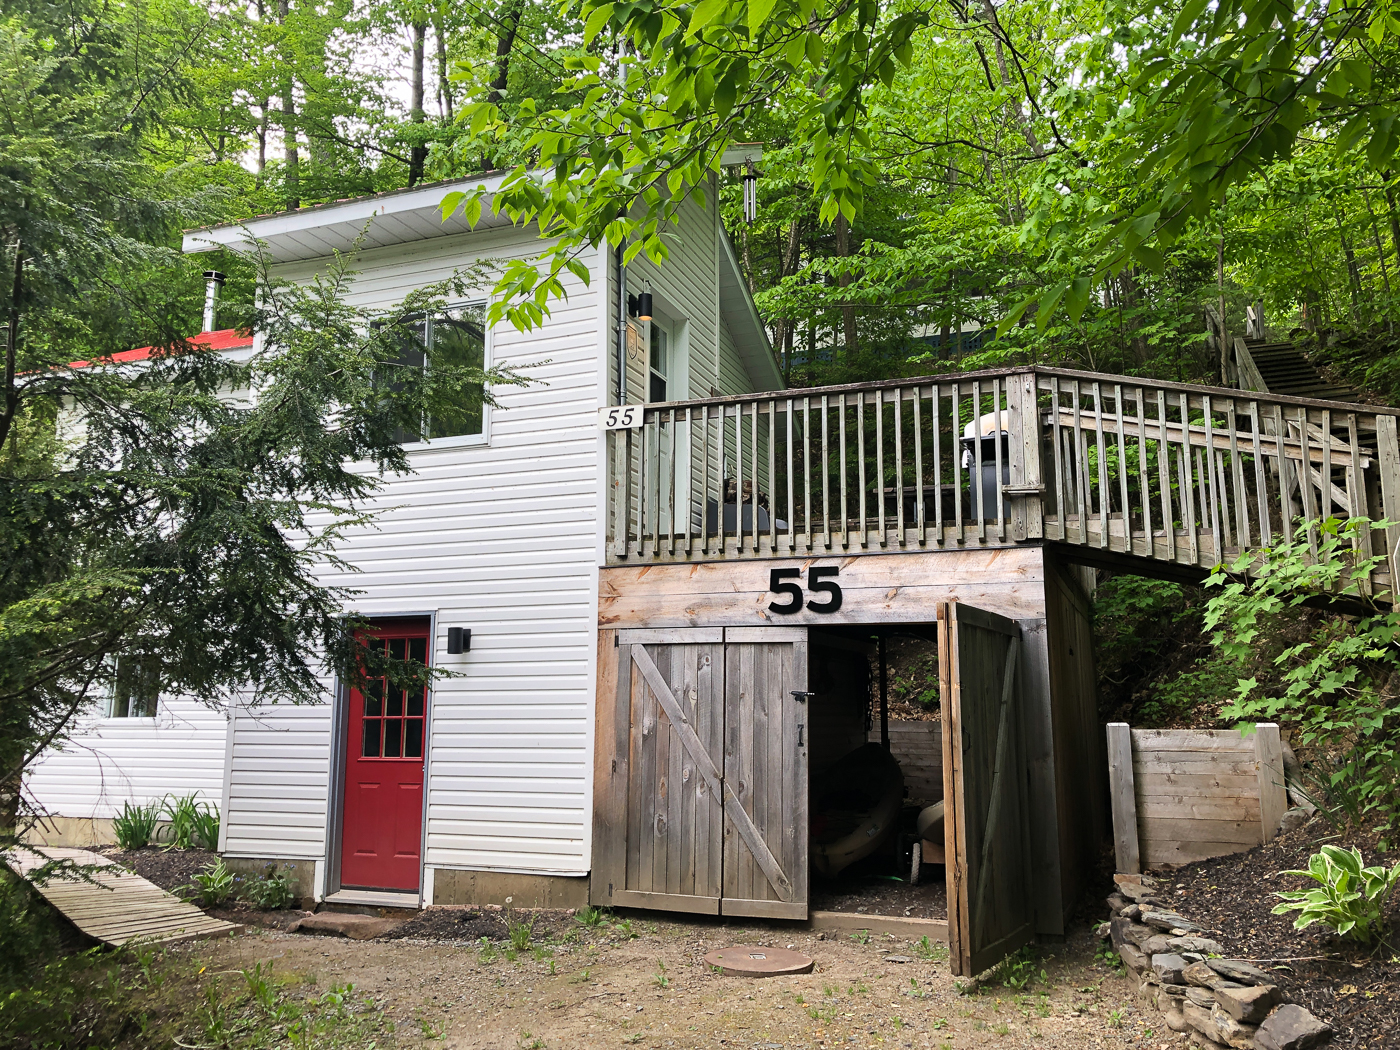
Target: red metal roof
column 224, row 339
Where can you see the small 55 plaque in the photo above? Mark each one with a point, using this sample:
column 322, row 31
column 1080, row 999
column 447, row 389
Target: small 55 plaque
column 780, row 581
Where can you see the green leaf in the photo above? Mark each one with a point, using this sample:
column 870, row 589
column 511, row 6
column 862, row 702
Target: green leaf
column 706, row 13
column 1078, row 297
column 725, row 92
column 597, row 20
column 1186, row 18
column 759, row 10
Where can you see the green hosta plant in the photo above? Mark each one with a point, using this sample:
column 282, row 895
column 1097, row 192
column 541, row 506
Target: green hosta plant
column 1349, row 898
column 213, row 885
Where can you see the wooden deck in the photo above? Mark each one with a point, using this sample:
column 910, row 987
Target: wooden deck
column 117, row 907
column 1163, row 475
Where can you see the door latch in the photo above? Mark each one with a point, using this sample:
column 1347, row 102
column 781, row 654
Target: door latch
column 801, row 695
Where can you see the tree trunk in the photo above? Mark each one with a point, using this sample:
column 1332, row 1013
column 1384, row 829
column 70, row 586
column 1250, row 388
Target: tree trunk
column 418, row 152
column 1220, row 292
column 1376, row 236
column 1394, row 223
column 1353, row 275
column 848, row 309
column 787, row 266
column 1013, row 105
column 291, row 155
column 444, row 85
column 505, row 43
column 263, row 104
column 7, row 415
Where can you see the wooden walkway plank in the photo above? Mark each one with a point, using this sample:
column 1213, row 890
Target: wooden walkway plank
column 118, row 906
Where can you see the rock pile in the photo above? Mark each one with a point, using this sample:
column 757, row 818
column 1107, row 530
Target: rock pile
column 1220, row 1002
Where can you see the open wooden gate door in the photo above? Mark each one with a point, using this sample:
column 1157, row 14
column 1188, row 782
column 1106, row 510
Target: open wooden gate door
column 986, row 825
column 702, row 775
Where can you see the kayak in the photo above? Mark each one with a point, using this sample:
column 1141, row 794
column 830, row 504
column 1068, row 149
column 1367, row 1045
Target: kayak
column 857, row 810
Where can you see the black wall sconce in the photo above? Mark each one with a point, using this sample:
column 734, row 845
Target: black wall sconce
column 459, row 640
column 639, row 306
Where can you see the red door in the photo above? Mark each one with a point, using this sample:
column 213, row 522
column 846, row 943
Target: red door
column 382, row 831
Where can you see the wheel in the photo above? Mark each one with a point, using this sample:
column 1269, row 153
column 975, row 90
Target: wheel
column 916, row 863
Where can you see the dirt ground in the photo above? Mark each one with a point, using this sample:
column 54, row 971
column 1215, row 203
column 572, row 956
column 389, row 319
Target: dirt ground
column 640, row 979
column 1355, row 989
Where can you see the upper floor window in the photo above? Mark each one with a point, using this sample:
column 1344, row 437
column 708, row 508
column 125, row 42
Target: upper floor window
column 135, row 689
column 456, row 336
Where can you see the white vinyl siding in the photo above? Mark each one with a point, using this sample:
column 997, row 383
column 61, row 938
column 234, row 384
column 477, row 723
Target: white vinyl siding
column 500, row 538
column 110, row 761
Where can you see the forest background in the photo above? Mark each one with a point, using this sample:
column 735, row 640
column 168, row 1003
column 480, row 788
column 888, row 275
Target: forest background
column 944, row 186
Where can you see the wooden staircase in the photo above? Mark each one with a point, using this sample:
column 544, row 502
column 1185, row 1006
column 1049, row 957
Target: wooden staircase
column 1282, row 368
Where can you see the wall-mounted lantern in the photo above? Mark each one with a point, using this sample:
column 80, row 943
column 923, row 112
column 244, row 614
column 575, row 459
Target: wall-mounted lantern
column 459, row 640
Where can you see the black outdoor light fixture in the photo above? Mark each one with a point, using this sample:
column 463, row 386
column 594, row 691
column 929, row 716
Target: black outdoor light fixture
column 459, row 640
column 639, row 306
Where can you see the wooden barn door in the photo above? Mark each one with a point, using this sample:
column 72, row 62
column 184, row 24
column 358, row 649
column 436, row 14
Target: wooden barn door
column 986, row 828
column 702, row 775
column 765, row 772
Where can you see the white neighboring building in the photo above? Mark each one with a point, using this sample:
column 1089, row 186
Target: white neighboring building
column 499, row 531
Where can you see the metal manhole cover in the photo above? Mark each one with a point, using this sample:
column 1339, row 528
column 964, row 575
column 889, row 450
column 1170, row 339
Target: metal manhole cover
column 746, row 960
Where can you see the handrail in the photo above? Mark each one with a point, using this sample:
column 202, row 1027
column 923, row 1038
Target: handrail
column 1012, row 370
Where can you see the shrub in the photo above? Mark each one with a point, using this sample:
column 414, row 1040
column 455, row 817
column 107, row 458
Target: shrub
column 192, row 822
column 135, row 826
column 1349, row 899
column 274, row 891
column 213, row 885
column 1334, row 686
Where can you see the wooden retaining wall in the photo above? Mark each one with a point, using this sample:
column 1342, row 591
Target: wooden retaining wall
column 1181, row 795
column 918, row 748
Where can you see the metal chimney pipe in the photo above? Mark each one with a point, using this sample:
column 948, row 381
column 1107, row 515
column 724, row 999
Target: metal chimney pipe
column 213, row 281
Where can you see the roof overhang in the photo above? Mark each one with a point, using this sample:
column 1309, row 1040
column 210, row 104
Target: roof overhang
column 397, row 217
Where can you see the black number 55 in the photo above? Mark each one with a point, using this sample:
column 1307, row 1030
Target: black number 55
column 780, row 582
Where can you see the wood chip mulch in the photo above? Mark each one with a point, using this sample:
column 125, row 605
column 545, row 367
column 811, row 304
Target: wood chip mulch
column 1356, row 991
column 167, row 868
column 459, row 924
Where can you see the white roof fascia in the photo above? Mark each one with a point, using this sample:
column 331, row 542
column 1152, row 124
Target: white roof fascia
column 339, row 223
column 741, row 314
column 741, row 153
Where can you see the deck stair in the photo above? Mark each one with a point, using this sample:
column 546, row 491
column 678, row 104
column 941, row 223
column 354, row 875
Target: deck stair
column 1282, row 368
column 117, row 906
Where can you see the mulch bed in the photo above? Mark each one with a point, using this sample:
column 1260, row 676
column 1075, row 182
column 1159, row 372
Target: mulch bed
column 167, row 868
column 1356, row 991
column 472, row 924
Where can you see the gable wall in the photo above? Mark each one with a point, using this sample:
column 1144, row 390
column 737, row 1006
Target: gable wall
column 500, row 539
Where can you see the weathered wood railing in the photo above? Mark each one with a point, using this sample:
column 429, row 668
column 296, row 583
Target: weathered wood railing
column 1173, row 472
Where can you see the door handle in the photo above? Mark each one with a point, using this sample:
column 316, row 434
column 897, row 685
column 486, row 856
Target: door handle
column 799, row 734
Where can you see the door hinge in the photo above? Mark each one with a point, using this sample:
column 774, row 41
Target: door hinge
column 801, row 695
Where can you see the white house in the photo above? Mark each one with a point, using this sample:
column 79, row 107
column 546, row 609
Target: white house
column 485, row 787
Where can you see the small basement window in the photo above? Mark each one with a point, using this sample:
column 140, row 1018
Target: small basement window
column 135, row 689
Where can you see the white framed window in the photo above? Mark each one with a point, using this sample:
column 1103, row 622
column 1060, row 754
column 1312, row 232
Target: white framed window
column 459, row 336
column 135, row 688
column 659, row 353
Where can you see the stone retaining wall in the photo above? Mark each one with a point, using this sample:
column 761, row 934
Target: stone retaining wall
column 1218, row 1001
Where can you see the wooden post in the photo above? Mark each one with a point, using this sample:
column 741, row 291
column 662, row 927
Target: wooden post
column 1273, row 794
column 1388, row 448
column 1121, row 792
